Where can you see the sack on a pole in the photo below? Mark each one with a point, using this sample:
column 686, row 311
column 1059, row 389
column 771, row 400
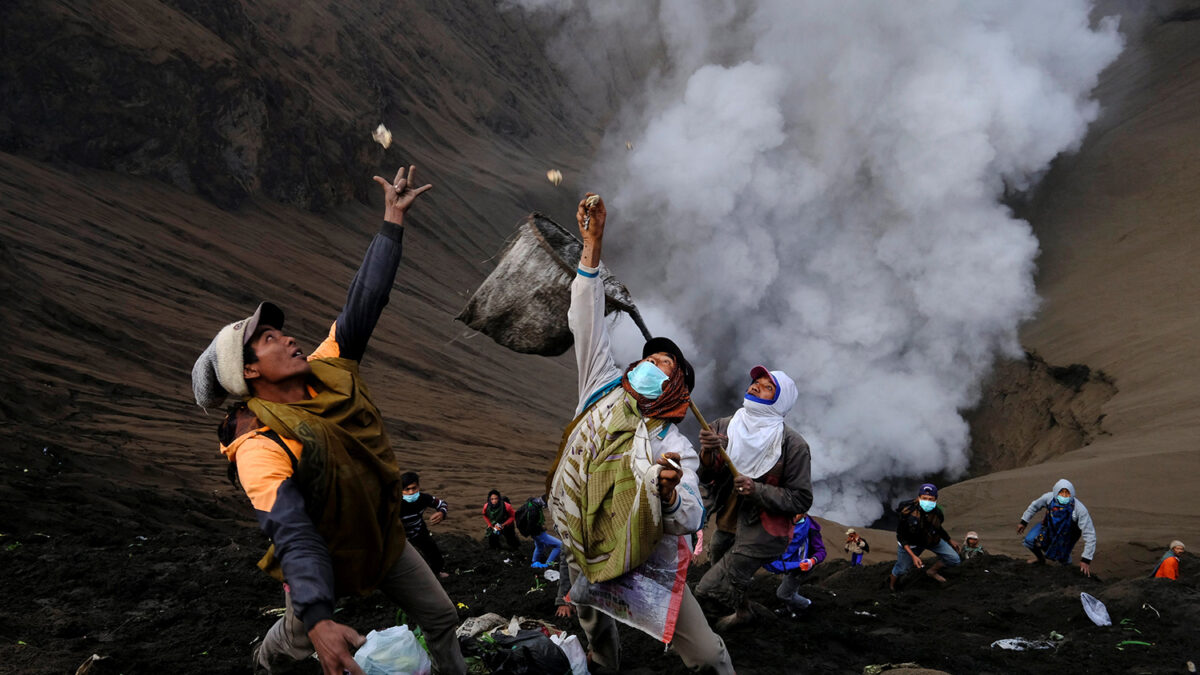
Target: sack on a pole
column 523, row 303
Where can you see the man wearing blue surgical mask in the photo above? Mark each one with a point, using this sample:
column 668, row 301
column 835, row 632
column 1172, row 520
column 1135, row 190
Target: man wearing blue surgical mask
column 920, row 528
column 1066, row 520
column 624, row 480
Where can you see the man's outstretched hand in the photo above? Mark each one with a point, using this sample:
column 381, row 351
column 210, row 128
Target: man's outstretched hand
column 400, row 194
column 335, row 644
column 593, row 234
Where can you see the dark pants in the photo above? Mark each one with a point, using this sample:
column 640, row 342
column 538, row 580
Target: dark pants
column 423, row 541
column 729, row 577
column 510, row 535
column 1031, row 542
column 856, row 559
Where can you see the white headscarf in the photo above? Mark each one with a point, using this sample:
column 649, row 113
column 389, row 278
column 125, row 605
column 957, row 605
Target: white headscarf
column 756, row 431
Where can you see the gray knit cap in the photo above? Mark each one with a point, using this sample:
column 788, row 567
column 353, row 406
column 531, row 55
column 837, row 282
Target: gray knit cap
column 218, row 372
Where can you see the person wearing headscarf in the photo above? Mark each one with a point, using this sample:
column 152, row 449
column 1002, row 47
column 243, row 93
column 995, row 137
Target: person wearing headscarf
column 624, row 479
column 500, row 518
column 755, row 499
column 971, row 548
column 920, row 529
column 1168, row 567
column 856, row 546
column 1065, row 522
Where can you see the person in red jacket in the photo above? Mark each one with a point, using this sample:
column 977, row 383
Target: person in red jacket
column 500, row 518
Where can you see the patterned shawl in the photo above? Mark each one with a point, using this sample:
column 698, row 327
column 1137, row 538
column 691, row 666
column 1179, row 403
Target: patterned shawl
column 604, row 492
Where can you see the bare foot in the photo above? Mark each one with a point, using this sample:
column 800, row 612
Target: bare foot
column 936, row 577
column 1035, row 561
column 444, row 575
column 733, row 620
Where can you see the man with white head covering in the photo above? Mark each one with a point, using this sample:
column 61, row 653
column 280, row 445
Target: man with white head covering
column 755, row 499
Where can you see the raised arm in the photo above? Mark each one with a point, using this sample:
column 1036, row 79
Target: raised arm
column 593, row 349
column 372, row 284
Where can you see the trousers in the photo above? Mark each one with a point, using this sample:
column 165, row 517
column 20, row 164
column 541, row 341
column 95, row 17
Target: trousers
column 411, row 585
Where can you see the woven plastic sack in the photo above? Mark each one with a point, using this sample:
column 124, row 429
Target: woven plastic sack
column 393, row 651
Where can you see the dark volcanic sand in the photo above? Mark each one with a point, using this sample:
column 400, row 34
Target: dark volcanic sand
column 191, row 601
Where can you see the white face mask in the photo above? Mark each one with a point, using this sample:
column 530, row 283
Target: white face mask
column 647, row 380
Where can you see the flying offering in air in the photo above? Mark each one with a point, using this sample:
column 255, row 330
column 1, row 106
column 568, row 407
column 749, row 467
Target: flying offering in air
column 382, row 136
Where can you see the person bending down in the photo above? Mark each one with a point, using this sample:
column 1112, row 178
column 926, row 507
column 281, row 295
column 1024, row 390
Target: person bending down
column 921, row 528
column 1066, row 520
column 804, row 552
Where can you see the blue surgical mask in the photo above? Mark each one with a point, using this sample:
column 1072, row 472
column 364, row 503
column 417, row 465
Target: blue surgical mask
column 927, row 505
column 1062, row 500
column 647, row 380
column 411, row 498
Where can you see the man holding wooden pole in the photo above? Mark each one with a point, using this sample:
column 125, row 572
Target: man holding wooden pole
column 624, row 481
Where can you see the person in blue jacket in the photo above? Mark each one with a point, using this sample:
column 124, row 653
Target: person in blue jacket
column 805, row 551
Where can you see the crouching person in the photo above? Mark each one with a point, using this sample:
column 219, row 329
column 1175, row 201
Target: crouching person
column 805, row 552
column 1066, row 520
column 920, row 528
column 755, row 509
column 624, row 480
column 310, row 449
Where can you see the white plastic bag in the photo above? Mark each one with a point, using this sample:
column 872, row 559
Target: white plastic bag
column 1022, row 644
column 393, row 651
column 574, row 651
column 1095, row 610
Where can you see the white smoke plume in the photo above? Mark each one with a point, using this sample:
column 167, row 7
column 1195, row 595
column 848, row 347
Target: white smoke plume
column 817, row 186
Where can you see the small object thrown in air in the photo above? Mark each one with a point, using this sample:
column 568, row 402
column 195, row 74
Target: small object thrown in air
column 628, row 145
column 382, row 136
column 554, row 176
column 587, row 205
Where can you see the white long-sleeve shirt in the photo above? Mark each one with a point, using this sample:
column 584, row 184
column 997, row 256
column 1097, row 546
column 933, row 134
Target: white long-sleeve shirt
column 593, row 356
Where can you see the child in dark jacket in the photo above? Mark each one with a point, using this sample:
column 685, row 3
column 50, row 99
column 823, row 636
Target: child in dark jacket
column 412, row 514
column 803, row 553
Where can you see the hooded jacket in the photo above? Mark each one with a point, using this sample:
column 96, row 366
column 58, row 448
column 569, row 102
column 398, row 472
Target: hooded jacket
column 1080, row 517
